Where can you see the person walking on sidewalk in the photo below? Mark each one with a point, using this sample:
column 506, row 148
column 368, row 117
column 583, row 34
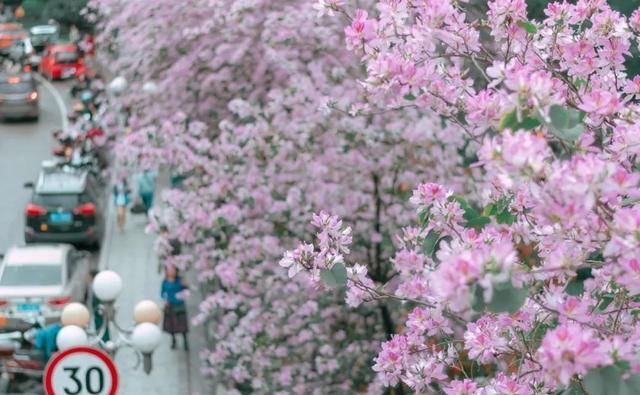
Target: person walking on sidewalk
column 121, row 192
column 175, row 310
column 146, row 188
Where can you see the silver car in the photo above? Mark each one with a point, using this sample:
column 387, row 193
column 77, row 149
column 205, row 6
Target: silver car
column 19, row 96
column 40, row 280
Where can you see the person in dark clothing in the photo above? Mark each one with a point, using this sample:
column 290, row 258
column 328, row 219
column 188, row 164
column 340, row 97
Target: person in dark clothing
column 175, row 310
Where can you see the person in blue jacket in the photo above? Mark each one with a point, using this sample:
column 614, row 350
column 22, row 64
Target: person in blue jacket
column 175, row 310
column 121, row 192
column 45, row 340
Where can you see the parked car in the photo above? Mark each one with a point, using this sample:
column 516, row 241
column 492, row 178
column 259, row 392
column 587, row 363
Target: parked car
column 43, row 35
column 9, row 33
column 61, row 61
column 40, row 280
column 22, row 52
column 66, row 207
column 19, row 96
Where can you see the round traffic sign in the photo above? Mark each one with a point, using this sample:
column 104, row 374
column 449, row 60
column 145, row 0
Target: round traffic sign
column 81, row 371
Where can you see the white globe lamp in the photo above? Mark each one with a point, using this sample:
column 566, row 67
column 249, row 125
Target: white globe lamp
column 150, row 88
column 146, row 337
column 118, row 85
column 107, row 285
column 71, row 336
column 75, row 314
column 147, row 311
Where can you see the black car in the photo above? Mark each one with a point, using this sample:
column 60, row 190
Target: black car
column 66, row 207
column 19, row 96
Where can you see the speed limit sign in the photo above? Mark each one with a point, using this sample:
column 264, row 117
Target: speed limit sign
column 81, row 371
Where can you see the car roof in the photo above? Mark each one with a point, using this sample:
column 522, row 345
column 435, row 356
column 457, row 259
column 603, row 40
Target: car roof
column 4, row 77
column 41, row 254
column 63, row 47
column 44, row 29
column 61, row 181
column 10, row 26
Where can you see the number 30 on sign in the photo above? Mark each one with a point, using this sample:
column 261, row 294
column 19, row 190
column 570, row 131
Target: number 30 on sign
column 81, row 371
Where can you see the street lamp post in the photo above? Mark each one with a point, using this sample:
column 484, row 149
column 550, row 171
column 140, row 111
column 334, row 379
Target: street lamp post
column 143, row 338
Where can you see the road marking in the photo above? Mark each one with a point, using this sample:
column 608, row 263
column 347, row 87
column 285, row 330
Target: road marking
column 58, row 98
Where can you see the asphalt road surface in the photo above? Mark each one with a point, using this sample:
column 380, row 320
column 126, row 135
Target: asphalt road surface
column 23, row 147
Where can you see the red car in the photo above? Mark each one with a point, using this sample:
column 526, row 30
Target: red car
column 60, row 61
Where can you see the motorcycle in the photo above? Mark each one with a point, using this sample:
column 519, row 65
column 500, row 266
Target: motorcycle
column 21, row 365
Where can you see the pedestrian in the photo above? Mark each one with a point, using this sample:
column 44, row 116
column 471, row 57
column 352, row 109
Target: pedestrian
column 146, row 188
column 121, row 194
column 45, row 340
column 175, row 310
column 74, row 34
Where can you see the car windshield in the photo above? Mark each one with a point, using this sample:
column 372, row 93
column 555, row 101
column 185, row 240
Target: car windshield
column 57, row 200
column 66, row 57
column 21, row 87
column 40, row 39
column 31, row 275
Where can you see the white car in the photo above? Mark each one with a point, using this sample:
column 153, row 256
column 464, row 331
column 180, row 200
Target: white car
column 40, row 280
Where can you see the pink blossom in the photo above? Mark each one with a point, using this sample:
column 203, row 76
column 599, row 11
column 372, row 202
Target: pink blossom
column 361, row 30
column 568, row 350
column 600, row 102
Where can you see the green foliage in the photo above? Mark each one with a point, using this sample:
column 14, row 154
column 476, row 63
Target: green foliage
column 33, row 8
column 429, row 243
column 511, row 121
column 500, row 210
column 66, row 12
column 473, row 217
column 336, row 277
column 528, row 27
column 506, row 298
column 566, row 123
column 575, row 287
column 608, row 381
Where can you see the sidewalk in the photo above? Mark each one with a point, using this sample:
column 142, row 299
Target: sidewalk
column 175, row 372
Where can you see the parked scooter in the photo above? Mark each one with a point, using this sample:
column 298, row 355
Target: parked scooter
column 21, row 365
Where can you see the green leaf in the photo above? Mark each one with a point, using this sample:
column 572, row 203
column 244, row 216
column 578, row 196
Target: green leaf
column 490, row 209
column 478, row 222
column 476, row 298
column 350, row 136
column 510, row 121
column 605, row 302
column 505, row 217
column 473, row 217
column 584, row 273
column 603, row 381
column 575, row 287
column 507, row 298
column 528, row 26
column 630, row 386
column 335, row 277
column 410, row 97
column 566, row 123
column 573, row 389
column 429, row 243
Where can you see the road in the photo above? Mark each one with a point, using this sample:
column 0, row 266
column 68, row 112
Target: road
column 23, row 146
